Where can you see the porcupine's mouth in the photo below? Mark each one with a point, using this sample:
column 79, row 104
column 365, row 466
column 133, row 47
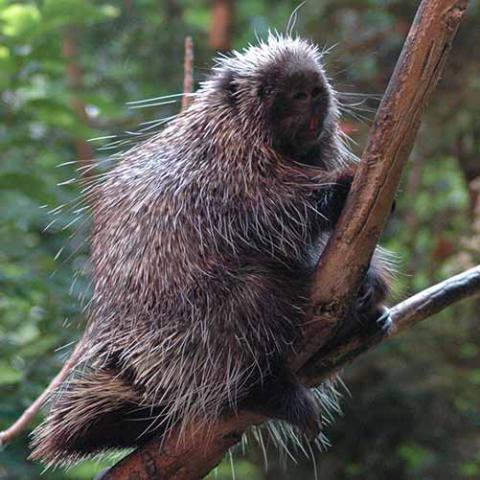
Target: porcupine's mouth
column 298, row 140
column 314, row 127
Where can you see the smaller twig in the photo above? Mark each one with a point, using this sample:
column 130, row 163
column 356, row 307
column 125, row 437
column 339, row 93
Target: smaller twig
column 403, row 316
column 27, row 416
column 434, row 299
column 187, row 73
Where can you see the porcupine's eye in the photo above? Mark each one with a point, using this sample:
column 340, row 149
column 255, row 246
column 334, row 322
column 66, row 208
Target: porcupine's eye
column 232, row 88
column 305, row 95
column 300, row 96
column 316, row 92
column 264, row 91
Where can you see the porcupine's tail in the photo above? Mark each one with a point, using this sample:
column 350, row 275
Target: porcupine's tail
column 91, row 413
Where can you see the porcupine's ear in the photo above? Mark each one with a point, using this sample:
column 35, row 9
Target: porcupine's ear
column 228, row 84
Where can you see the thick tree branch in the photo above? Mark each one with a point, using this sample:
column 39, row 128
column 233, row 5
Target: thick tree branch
column 348, row 253
column 172, row 460
column 404, row 316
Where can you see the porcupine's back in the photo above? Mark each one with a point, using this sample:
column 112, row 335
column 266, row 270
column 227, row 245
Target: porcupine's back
column 179, row 324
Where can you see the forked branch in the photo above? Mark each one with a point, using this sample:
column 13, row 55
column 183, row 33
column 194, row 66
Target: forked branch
column 169, row 459
column 390, row 141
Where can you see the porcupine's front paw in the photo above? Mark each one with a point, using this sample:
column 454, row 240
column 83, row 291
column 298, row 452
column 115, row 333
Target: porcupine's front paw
column 369, row 306
column 339, row 194
column 385, row 321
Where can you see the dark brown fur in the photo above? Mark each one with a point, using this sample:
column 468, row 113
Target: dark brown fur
column 204, row 240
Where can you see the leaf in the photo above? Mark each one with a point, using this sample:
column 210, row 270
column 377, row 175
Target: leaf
column 9, row 375
column 19, row 19
column 60, row 12
column 29, row 185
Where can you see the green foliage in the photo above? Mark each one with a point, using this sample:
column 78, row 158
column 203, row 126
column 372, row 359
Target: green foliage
column 414, row 410
column 238, row 469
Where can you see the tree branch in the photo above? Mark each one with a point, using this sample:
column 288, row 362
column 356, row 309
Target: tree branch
column 187, row 73
column 348, row 253
column 404, row 315
column 27, row 416
column 434, row 299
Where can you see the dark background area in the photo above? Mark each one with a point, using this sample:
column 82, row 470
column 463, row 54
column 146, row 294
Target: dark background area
column 67, row 69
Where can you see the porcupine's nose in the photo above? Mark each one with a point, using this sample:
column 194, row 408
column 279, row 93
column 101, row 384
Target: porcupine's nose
column 317, row 109
column 309, row 98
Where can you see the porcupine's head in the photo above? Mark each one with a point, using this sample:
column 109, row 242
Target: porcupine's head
column 279, row 92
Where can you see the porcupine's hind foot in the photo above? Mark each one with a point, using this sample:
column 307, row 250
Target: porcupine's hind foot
column 95, row 412
column 281, row 396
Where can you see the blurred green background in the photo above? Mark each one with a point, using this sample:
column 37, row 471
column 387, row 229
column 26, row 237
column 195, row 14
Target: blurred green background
column 67, row 69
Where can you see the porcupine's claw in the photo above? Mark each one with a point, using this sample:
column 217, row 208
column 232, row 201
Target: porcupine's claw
column 385, row 320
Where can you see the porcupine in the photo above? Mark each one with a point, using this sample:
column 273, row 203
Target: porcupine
column 204, row 240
